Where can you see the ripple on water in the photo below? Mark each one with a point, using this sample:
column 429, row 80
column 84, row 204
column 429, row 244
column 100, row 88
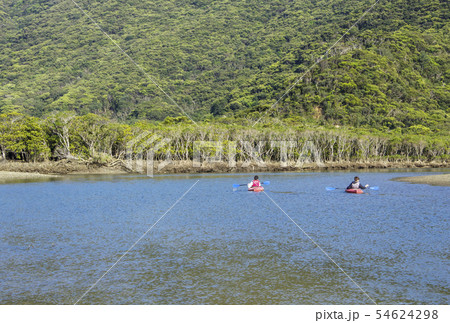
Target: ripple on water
column 217, row 246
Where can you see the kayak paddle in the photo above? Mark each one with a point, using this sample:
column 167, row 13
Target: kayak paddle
column 264, row 183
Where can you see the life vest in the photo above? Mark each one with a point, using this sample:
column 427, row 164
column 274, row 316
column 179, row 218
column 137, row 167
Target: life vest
column 256, row 183
column 355, row 185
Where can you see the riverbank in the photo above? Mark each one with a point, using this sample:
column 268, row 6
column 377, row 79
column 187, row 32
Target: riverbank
column 69, row 167
column 435, row 180
column 64, row 167
column 7, row 177
column 241, row 167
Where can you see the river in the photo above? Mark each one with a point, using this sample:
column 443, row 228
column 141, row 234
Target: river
column 127, row 239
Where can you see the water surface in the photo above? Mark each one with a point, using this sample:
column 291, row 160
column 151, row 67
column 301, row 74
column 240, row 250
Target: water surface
column 219, row 246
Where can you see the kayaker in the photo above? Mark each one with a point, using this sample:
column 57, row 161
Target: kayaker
column 254, row 183
column 356, row 184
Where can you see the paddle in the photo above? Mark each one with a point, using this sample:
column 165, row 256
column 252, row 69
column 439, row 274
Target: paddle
column 375, row 188
column 264, row 183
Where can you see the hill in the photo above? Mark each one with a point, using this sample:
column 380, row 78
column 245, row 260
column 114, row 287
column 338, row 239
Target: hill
column 233, row 58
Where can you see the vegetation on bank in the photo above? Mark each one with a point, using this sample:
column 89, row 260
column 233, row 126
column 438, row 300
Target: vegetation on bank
column 93, row 137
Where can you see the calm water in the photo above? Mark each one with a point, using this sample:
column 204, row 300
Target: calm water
column 219, row 246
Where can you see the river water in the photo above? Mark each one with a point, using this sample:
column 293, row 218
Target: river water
column 295, row 243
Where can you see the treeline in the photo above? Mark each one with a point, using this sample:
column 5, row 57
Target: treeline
column 95, row 138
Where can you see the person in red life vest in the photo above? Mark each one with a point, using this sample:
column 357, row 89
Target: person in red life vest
column 356, row 184
column 254, row 183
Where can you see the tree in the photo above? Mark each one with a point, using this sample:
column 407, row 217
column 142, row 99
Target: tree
column 61, row 125
column 10, row 136
column 36, row 147
column 22, row 136
column 91, row 128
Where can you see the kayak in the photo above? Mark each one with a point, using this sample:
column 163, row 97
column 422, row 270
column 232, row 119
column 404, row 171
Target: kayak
column 256, row 189
column 353, row 190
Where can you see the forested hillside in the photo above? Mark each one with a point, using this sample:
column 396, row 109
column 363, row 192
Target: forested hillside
column 230, row 58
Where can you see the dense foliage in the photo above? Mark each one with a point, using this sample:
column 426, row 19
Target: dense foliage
column 95, row 138
column 232, row 58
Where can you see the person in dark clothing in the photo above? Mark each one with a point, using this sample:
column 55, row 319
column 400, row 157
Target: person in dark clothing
column 356, row 184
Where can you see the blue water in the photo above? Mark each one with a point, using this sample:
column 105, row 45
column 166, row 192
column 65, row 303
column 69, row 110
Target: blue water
column 219, row 246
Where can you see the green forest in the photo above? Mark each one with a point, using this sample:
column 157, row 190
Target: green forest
column 380, row 92
column 98, row 139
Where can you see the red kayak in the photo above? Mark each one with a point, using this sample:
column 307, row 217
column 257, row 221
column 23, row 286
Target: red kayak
column 256, row 189
column 355, row 191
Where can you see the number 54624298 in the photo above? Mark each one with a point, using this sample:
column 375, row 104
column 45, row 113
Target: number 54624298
column 404, row 315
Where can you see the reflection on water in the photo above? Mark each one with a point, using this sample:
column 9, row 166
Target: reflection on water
column 222, row 247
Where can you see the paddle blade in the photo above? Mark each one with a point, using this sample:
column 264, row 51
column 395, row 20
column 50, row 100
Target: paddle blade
column 236, row 185
column 330, row 188
column 266, row 183
column 375, row 188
